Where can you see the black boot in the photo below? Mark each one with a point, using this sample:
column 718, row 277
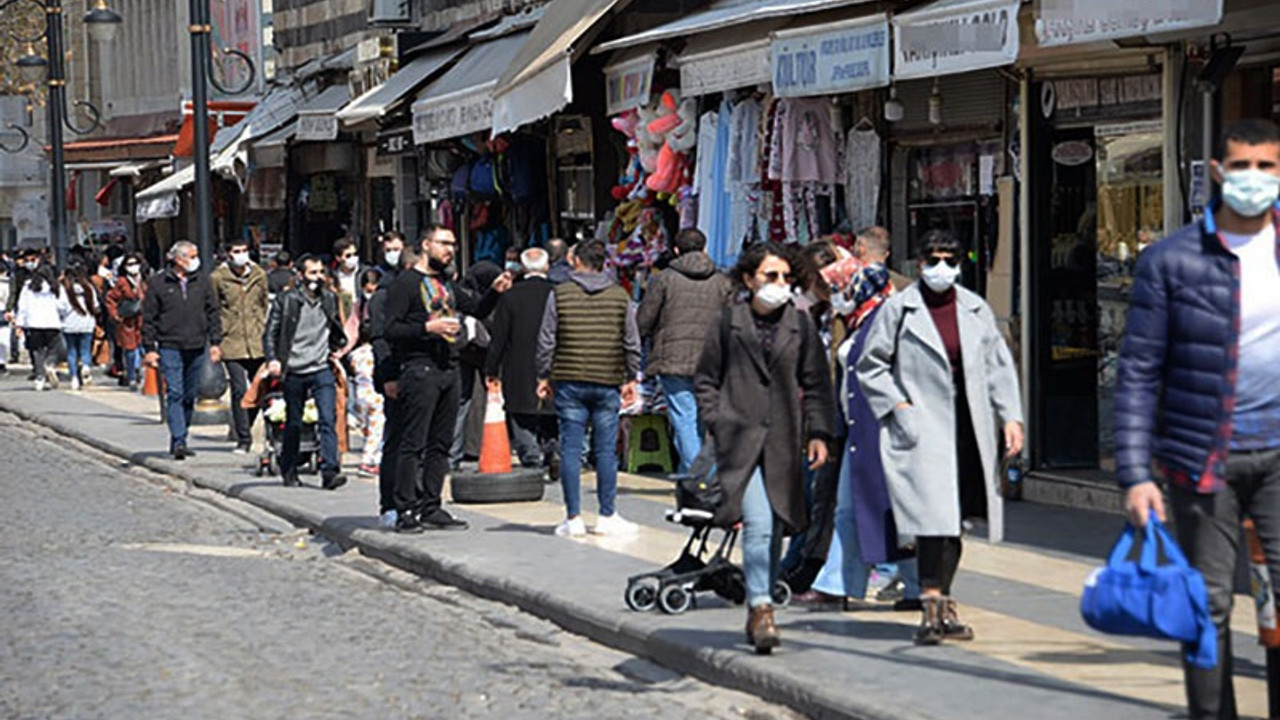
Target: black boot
column 952, row 628
column 930, row 631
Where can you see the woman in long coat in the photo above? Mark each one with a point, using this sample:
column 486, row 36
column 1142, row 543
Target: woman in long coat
column 128, row 293
column 763, row 389
column 939, row 377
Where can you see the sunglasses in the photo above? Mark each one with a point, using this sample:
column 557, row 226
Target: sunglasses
column 774, row 276
column 953, row 261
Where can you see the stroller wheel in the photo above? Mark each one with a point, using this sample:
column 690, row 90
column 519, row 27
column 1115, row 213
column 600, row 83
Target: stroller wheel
column 781, row 594
column 642, row 595
column 674, row 599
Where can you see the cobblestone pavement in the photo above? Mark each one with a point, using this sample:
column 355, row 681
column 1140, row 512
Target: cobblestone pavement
column 124, row 597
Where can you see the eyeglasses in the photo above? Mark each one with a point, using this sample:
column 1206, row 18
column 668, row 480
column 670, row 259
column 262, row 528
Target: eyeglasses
column 953, row 261
column 774, row 276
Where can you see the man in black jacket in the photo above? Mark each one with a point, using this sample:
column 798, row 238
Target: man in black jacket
column 423, row 328
column 386, row 374
column 179, row 318
column 304, row 333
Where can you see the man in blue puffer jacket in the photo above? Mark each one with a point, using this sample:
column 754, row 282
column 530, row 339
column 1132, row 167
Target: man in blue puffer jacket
column 1199, row 384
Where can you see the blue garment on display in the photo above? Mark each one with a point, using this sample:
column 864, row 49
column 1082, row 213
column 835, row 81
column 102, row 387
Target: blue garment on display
column 718, row 196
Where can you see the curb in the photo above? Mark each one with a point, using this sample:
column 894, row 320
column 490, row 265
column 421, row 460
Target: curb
column 736, row 669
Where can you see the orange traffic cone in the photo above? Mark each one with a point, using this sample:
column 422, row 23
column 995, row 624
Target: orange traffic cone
column 495, row 448
column 151, row 381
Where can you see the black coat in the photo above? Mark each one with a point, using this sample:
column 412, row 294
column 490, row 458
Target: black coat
column 172, row 318
column 513, row 347
column 282, row 324
column 761, row 414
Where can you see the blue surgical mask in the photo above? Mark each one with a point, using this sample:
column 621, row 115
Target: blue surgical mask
column 513, row 267
column 1250, row 193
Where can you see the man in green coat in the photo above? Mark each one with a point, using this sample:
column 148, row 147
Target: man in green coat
column 240, row 287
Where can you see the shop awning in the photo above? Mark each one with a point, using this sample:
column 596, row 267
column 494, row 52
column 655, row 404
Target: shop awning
column 376, row 102
column 316, row 117
column 1072, row 22
column 727, row 59
column 160, row 200
column 723, row 14
column 118, row 150
column 538, row 81
column 230, row 152
column 135, row 170
column 947, row 37
column 460, row 101
column 223, row 114
column 279, row 138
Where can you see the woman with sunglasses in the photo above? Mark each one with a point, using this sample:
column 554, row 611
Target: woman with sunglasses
column 938, row 375
column 764, row 393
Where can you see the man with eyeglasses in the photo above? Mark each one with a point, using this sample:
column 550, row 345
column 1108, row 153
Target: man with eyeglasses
column 424, row 329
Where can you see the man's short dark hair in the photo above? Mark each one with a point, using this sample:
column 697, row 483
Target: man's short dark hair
column 429, row 230
column 393, row 235
column 283, row 259
column 591, row 253
column 234, row 243
column 938, row 241
column 309, row 258
column 690, row 240
column 343, row 244
column 1249, row 131
column 557, row 250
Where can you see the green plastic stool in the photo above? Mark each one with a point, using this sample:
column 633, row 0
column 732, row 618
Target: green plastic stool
column 649, row 444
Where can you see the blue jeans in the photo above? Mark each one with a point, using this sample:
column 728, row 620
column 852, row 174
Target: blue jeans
column 578, row 403
column 181, row 370
column 133, row 364
column 321, row 386
column 79, row 352
column 682, row 408
column 845, row 574
column 761, row 542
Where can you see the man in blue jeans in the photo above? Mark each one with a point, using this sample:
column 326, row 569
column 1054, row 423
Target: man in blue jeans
column 589, row 347
column 681, row 303
column 304, row 334
column 179, row 319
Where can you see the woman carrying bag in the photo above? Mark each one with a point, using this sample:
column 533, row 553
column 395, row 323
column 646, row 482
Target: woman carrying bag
column 124, row 307
column 764, row 394
column 939, row 377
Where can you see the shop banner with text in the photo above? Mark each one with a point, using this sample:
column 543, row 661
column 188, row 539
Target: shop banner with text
column 1070, row 22
column 835, row 60
column 955, row 37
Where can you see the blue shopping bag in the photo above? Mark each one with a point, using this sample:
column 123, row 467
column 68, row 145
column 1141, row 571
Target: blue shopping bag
column 1152, row 599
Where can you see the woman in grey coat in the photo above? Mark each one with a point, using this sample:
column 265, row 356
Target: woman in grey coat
column 763, row 389
column 938, row 375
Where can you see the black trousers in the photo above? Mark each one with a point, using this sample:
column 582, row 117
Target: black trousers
column 429, row 408
column 240, row 373
column 938, row 559
column 536, row 437
column 391, row 440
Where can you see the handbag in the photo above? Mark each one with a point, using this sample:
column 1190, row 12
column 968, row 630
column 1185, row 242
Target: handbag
column 1152, row 599
column 129, row 308
column 700, row 492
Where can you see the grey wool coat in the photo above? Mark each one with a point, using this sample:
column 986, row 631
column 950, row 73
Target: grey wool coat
column 761, row 414
column 905, row 361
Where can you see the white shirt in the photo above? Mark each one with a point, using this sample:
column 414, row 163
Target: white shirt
column 1257, row 412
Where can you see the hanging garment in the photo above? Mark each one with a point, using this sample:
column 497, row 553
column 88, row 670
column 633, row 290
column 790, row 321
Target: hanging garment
column 806, row 148
column 714, row 199
column 862, row 178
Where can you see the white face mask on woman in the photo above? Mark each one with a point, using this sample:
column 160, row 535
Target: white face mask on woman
column 133, row 269
column 940, row 277
column 772, row 296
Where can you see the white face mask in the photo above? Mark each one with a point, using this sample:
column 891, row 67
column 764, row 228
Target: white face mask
column 313, row 286
column 941, row 277
column 351, row 263
column 393, row 258
column 193, row 266
column 773, row 296
column 133, row 269
column 1250, row 193
column 240, row 259
column 842, row 304
column 104, row 271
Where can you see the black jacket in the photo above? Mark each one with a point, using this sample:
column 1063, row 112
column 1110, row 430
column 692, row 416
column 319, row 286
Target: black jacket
column 282, row 324
column 177, row 319
column 406, row 320
column 512, row 350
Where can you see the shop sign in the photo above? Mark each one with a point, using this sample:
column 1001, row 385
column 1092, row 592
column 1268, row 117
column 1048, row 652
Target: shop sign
column 453, row 116
column 955, row 39
column 1100, row 98
column 1072, row 153
column 628, row 84
column 847, row 59
column 317, row 128
column 1198, row 196
column 399, row 142
column 739, row 67
column 1068, row 22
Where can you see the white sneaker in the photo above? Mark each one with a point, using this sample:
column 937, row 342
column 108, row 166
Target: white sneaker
column 86, row 376
column 39, row 384
column 388, row 519
column 615, row 524
column 572, row 528
column 51, row 377
column 75, row 383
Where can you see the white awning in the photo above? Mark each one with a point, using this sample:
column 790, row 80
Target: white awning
column 727, row 59
column 1072, row 22
column 231, row 157
column 722, row 14
column 376, row 102
column 460, row 101
column 538, row 81
column 948, row 37
column 316, row 119
column 135, row 170
column 160, row 200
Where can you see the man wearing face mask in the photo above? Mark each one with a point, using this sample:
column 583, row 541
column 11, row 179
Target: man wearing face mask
column 392, row 251
column 180, row 318
column 303, row 337
column 1198, row 388
column 348, row 270
column 240, row 286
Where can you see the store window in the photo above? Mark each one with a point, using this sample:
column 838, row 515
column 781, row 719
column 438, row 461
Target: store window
column 951, row 187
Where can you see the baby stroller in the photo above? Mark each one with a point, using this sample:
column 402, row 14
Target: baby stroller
column 273, row 417
column 674, row 588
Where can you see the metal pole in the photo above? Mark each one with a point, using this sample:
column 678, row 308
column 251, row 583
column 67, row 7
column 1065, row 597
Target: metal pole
column 200, row 53
column 56, row 107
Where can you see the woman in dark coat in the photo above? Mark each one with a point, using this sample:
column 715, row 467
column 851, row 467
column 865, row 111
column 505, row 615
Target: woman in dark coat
column 763, row 389
column 128, row 292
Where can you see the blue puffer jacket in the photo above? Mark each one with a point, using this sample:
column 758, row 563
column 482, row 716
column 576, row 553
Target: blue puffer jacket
column 1177, row 376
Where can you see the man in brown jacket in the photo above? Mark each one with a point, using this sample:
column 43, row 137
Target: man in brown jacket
column 240, row 287
column 681, row 303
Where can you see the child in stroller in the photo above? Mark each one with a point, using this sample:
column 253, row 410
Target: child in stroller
column 273, row 417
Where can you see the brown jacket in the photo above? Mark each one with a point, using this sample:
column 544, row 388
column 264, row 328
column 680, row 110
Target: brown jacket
column 764, row 414
column 678, row 307
column 242, row 302
column 128, row 331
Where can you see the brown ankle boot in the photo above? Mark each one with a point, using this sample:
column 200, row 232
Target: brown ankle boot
column 761, row 632
column 952, row 628
column 930, row 631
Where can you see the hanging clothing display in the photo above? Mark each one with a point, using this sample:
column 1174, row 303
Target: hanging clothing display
column 743, row 176
column 802, row 163
column 715, row 203
column 862, row 178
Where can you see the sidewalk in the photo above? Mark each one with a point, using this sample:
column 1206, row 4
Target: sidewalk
column 1034, row 657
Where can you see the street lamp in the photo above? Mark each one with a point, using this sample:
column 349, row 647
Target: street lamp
column 102, row 23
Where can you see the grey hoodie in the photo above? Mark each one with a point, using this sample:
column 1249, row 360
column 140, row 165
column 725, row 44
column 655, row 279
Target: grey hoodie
column 593, row 283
